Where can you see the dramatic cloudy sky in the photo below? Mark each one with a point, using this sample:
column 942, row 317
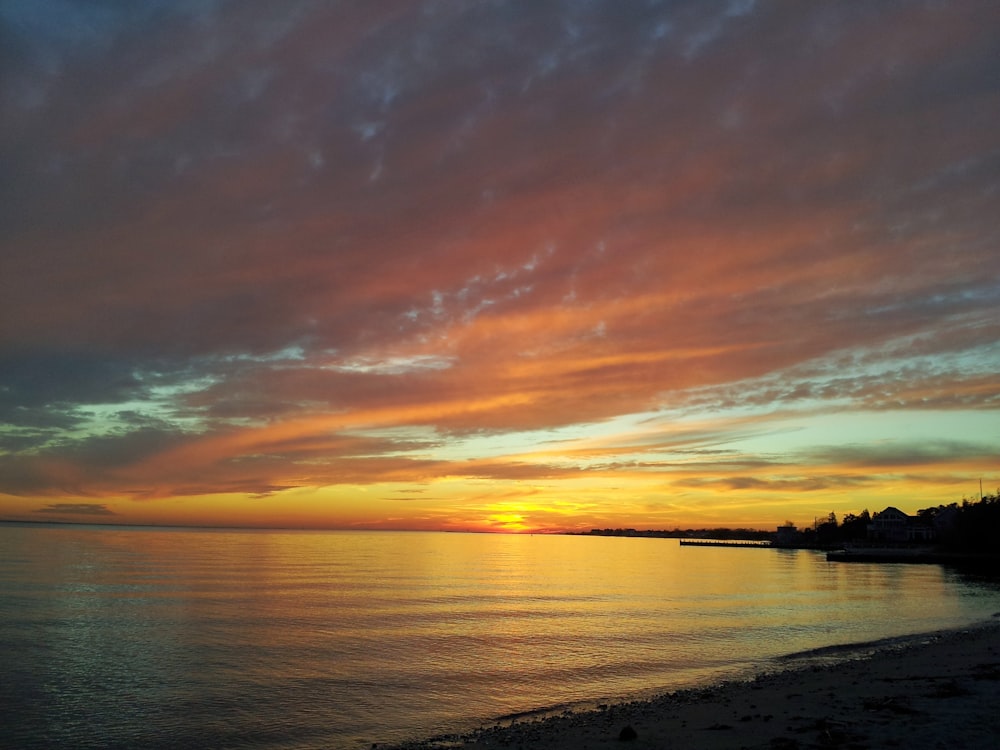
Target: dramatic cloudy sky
column 497, row 264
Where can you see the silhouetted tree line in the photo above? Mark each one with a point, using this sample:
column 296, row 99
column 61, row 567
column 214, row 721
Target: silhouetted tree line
column 972, row 525
column 829, row 532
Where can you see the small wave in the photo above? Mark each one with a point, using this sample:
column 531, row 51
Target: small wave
column 866, row 648
column 538, row 713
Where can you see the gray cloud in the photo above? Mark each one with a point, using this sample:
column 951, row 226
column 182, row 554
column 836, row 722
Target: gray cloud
column 77, row 509
column 904, row 454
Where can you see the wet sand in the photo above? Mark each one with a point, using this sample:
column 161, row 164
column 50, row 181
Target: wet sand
column 940, row 690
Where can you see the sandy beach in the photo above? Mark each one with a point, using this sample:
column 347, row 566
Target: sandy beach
column 939, row 690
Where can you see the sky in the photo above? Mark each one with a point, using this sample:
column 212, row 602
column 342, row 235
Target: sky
column 497, row 265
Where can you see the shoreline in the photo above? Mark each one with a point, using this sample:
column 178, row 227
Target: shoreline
column 926, row 690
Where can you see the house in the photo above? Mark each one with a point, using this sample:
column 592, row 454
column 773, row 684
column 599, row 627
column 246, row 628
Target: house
column 787, row 535
column 895, row 526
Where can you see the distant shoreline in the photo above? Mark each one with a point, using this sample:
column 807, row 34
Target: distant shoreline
column 702, row 538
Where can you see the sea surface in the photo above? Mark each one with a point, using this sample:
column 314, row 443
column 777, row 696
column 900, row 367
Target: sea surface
column 167, row 638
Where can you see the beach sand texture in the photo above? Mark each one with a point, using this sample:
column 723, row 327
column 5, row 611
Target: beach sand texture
column 936, row 691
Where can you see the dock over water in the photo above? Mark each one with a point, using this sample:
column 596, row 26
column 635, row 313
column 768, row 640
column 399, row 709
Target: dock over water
column 724, row 543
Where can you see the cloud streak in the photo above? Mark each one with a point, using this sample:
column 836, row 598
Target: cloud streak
column 290, row 252
column 76, row 509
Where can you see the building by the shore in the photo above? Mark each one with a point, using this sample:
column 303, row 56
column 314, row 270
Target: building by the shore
column 787, row 536
column 896, row 527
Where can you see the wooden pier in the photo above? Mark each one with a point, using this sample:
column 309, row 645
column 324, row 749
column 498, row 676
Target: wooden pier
column 725, row 543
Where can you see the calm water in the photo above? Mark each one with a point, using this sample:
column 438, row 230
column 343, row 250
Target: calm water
column 123, row 638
